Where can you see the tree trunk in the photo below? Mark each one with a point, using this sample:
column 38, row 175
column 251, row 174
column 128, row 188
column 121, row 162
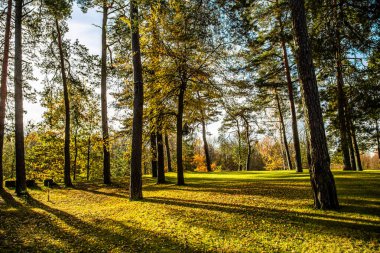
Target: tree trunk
column 67, row 177
column 161, row 160
column 168, row 157
column 350, row 143
column 240, row 168
column 153, row 150
column 322, row 180
column 19, row 111
column 283, row 132
column 75, row 155
column 4, row 77
column 135, row 188
column 283, row 155
column 249, row 149
column 181, row 96
column 205, row 145
column 343, row 128
column 308, row 149
column 356, row 148
column 103, row 85
column 88, row 158
column 296, row 140
column 378, row 138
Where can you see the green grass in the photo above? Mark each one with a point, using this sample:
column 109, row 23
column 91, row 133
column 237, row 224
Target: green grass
column 217, row 212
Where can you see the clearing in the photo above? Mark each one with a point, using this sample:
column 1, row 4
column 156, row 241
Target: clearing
column 216, row 212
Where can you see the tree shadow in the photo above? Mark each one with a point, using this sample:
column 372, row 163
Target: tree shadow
column 329, row 222
column 81, row 236
column 8, row 199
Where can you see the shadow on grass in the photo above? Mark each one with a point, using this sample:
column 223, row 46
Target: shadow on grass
column 329, row 222
column 76, row 234
column 8, row 198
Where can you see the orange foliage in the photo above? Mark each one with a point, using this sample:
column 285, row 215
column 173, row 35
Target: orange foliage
column 199, row 161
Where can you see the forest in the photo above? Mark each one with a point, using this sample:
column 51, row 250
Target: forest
column 199, row 126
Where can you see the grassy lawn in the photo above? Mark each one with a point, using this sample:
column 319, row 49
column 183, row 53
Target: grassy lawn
column 218, row 212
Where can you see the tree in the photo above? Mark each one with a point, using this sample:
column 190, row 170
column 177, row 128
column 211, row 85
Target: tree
column 153, row 151
column 168, row 156
column 103, row 84
column 290, row 93
column 135, row 189
column 4, row 77
column 322, row 180
column 283, row 132
column 160, row 152
column 19, row 111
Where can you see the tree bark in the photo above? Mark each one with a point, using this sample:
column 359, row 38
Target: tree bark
column 19, row 111
column 289, row 83
column 67, row 178
column 4, row 77
column 322, row 180
column 181, row 97
column 168, row 156
column 283, row 132
column 135, row 188
column 103, row 85
column 153, row 150
column 161, row 160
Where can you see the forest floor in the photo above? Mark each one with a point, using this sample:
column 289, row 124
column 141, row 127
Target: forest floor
column 216, row 212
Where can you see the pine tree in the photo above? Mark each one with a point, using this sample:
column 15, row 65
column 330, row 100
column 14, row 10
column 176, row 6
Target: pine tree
column 135, row 179
column 322, row 180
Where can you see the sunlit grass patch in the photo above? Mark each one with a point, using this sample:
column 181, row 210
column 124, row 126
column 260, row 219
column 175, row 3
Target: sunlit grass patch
column 213, row 212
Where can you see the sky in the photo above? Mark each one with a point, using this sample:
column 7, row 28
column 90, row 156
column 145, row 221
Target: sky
column 85, row 28
column 82, row 26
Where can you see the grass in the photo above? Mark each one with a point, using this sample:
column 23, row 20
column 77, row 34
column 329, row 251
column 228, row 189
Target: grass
column 218, row 212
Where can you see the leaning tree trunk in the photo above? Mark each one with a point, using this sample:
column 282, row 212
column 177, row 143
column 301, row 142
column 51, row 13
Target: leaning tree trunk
column 168, row 156
column 181, row 97
column 4, row 77
column 19, row 112
column 153, row 151
column 135, row 188
column 161, row 161
column 103, row 85
column 67, row 177
column 289, row 83
column 322, row 180
column 283, row 132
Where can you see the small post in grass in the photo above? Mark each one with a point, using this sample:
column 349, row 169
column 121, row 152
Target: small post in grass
column 48, row 191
